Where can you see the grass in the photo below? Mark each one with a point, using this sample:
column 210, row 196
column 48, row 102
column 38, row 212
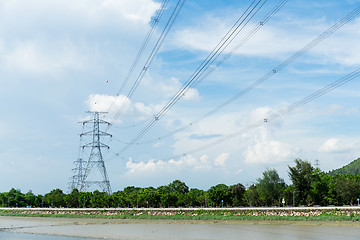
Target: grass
column 195, row 215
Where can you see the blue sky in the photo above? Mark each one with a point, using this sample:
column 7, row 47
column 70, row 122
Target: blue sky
column 60, row 57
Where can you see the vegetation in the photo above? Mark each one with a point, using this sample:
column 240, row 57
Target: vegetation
column 352, row 168
column 194, row 214
column 309, row 187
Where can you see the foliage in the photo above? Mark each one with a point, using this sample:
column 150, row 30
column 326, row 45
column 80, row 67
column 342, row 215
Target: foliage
column 219, row 195
column 309, row 187
column 238, row 192
column 352, row 168
column 270, row 188
column 55, row 198
column 346, row 187
column 252, row 196
column 302, row 176
column 181, row 214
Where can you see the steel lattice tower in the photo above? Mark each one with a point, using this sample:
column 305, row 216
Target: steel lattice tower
column 83, row 168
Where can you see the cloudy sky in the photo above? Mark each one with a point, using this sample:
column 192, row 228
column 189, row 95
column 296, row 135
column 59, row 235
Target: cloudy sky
column 59, row 59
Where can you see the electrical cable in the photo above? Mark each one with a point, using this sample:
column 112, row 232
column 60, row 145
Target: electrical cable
column 269, row 74
column 143, row 46
column 153, row 53
column 225, row 58
column 281, row 112
column 228, row 37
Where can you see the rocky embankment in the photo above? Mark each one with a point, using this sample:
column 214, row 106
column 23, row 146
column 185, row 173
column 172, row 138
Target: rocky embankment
column 187, row 212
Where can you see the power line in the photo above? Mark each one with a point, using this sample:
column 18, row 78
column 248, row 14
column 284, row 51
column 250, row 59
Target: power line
column 153, row 53
column 225, row 58
column 231, row 34
column 281, row 112
column 269, row 74
column 148, row 36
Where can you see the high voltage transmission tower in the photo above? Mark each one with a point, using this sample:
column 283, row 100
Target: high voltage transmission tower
column 90, row 157
column 317, row 164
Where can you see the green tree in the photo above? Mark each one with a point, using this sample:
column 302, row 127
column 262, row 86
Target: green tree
column 15, row 198
column 195, row 198
column 321, row 191
column 174, row 194
column 237, row 194
column 219, row 195
column 72, row 199
column 100, row 199
column 302, row 176
column 149, row 197
column 178, row 187
column 84, row 199
column 132, row 196
column 168, row 197
column 55, row 198
column 30, row 199
column 252, row 196
column 270, row 188
column 118, row 199
column 3, row 200
column 289, row 195
column 347, row 189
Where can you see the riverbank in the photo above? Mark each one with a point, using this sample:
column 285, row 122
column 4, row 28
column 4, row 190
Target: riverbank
column 152, row 229
column 235, row 214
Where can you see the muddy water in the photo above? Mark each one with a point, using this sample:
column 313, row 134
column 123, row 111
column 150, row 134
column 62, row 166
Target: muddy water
column 33, row 229
column 25, row 236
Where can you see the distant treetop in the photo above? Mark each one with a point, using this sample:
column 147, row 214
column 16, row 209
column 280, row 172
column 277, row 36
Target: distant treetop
column 352, row 168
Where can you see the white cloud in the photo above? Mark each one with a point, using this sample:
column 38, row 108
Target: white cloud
column 218, row 126
column 333, row 145
column 197, row 37
column 266, row 150
column 170, row 87
column 159, row 166
column 278, row 40
column 191, row 94
column 137, row 111
column 82, row 10
column 43, row 57
column 268, row 42
column 51, row 37
column 221, row 159
column 336, row 48
column 135, row 10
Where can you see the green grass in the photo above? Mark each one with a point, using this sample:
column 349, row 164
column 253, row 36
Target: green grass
column 201, row 215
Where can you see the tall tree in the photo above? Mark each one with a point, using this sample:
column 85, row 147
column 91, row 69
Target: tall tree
column 270, row 187
column 30, row 199
column 237, row 194
column 55, row 198
column 16, row 198
column 321, row 193
column 195, row 198
column 252, row 196
column 178, row 187
column 72, row 199
column 347, row 189
column 302, row 176
column 219, row 195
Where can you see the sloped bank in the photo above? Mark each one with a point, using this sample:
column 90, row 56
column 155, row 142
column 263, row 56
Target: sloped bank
column 287, row 213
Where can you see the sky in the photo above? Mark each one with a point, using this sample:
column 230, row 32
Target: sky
column 60, row 59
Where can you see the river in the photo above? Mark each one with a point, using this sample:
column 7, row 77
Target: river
column 34, row 229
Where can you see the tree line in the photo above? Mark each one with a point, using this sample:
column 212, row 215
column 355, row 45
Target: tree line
column 309, row 187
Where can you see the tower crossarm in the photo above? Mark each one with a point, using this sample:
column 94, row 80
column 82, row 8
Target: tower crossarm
column 95, row 145
column 91, row 133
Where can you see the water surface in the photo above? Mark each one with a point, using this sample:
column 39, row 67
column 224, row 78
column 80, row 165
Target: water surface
column 35, row 228
column 26, row 236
